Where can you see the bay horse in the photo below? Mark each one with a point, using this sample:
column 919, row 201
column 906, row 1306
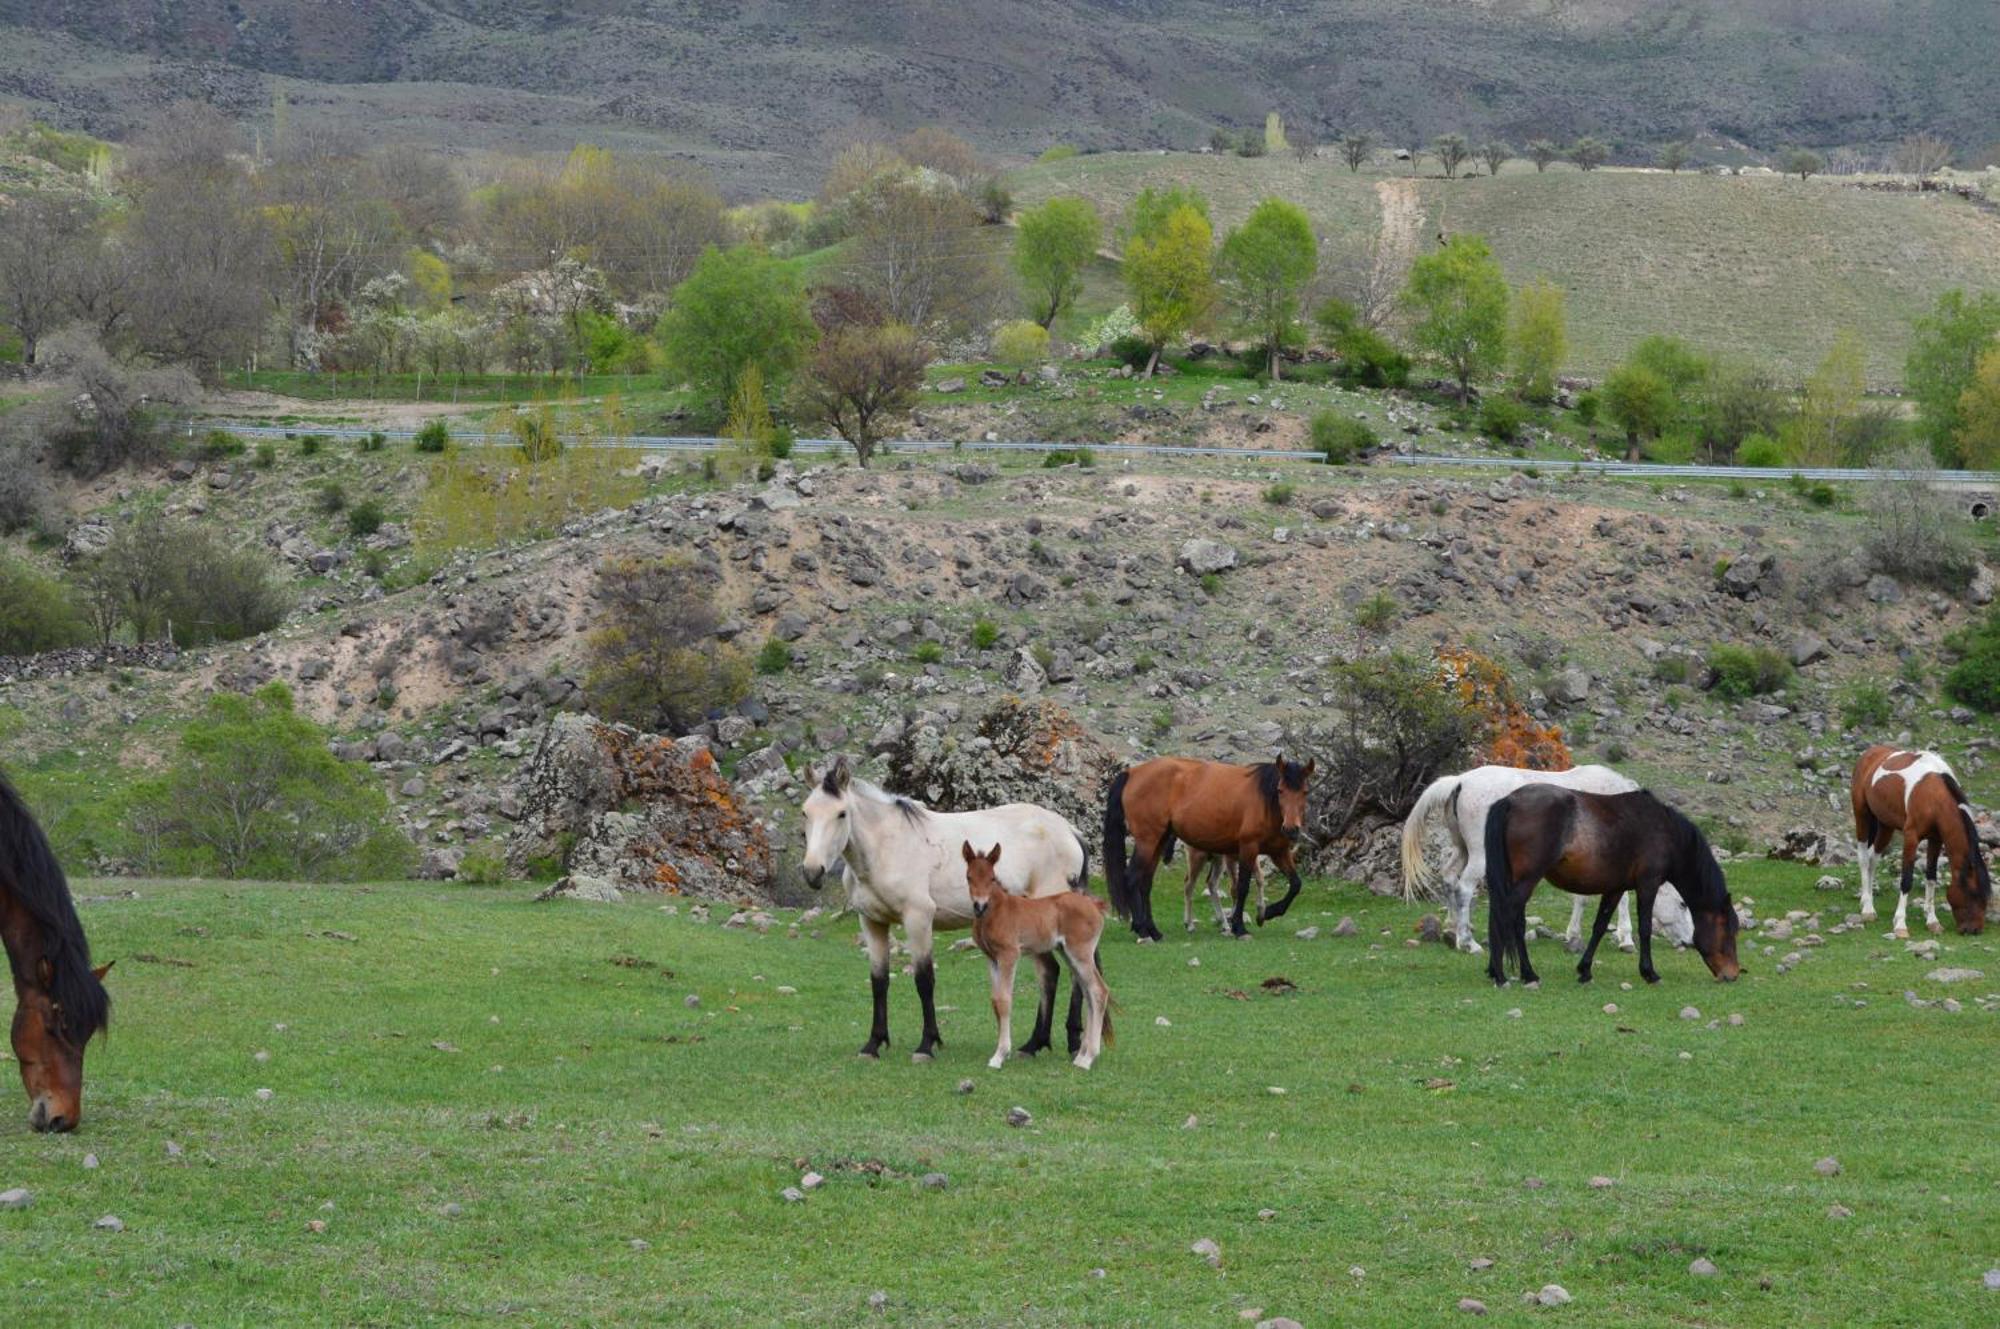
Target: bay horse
column 59, row 1000
column 1462, row 802
column 1005, row 926
column 899, row 863
column 1916, row 793
column 1602, row 845
column 1217, row 807
column 1196, row 861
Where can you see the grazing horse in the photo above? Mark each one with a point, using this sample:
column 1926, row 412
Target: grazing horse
column 1005, row 926
column 1916, row 793
column 59, row 1000
column 898, row 864
column 1603, row 845
column 1217, row 807
column 1464, row 800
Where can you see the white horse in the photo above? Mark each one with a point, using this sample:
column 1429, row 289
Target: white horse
column 1466, row 799
column 901, row 863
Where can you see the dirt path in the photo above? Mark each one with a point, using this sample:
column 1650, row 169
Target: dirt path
column 1402, row 231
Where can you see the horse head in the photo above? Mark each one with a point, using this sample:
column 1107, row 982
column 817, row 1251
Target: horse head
column 1290, row 779
column 1971, row 887
column 828, row 823
column 980, row 883
column 53, row 1019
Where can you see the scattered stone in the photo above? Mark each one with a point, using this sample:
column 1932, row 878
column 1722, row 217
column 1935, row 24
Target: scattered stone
column 1553, row 1294
column 1736, row 1019
column 1602, row 1183
column 1533, row 1184
column 173, row 1149
column 17, row 1198
column 1279, row 1322
column 1307, row 934
column 811, row 1181
column 1192, row 1122
column 1209, row 1251
column 453, row 1210
column 966, row 1086
column 264, row 1095
column 1202, row 556
column 1827, row 1167
column 1018, row 1117
column 792, row 1195
column 1955, row 975
column 1480, row 1265
column 691, row 1001
column 1839, row 1211
column 1345, row 927
column 90, row 1162
column 1611, row 1008
column 1266, row 1215
column 1703, row 1267
column 1690, row 1013
column 316, row 1225
column 934, row 1181
column 1514, row 1013
column 640, row 1244
column 878, row 1301
column 1992, row 1280
column 1472, row 1305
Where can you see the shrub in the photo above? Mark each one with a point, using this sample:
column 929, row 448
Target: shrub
column 267, row 455
column 1587, row 406
column 365, row 518
column 1069, row 457
column 1501, row 418
column 654, row 658
column 482, row 866
column 1368, row 359
column 1748, row 671
column 774, row 658
column 1131, row 349
column 1377, row 614
column 1671, row 669
column 374, row 442
column 927, row 653
column 1866, row 706
column 480, row 498
column 1057, row 152
column 1760, row 450
column 1914, row 530
column 36, row 613
column 984, row 634
column 1021, row 343
column 1397, row 726
column 254, row 791
column 1211, row 584
column 27, row 503
column 1281, row 494
column 309, row 444
column 434, row 436
column 220, row 443
column 1340, row 437
column 330, row 499
column 161, row 578
column 102, row 413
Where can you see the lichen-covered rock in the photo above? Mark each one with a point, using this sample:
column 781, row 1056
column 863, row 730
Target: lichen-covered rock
column 637, row 811
column 1019, row 752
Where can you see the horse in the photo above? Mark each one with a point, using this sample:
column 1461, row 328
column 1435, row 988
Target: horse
column 1464, row 800
column 1004, row 926
column 1916, row 793
column 1602, row 845
column 1217, row 807
column 1197, row 860
column 59, row 999
column 898, row 867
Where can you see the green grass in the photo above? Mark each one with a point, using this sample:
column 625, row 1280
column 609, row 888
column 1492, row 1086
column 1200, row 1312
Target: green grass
column 534, row 1065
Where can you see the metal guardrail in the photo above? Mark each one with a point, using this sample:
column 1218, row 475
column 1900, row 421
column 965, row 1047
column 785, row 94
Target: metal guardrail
column 708, row 443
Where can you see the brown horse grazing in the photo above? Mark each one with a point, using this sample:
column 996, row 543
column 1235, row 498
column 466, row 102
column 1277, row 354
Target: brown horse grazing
column 1916, row 793
column 59, row 1000
column 1219, row 808
column 1602, row 845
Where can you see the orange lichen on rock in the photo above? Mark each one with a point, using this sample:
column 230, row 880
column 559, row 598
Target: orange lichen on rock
column 1514, row 737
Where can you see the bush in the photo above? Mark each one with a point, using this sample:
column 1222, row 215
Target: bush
column 1069, row 457
column 331, row 499
column 1021, row 343
column 1130, row 349
column 1671, row 669
column 309, row 444
column 1501, row 418
column 1377, row 614
column 255, row 792
column 927, row 653
column 220, row 443
column 36, row 613
column 1866, row 706
column 1398, row 725
column 365, row 518
column 482, row 866
column 164, row 579
column 985, row 633
column 1975, row 678
column 1748, row 671
column 27, row 503
column 434, row 436
column 1281, row 494
column 1914, row 530
column 267, row 455
column 1211, row 584
column 1057, row 152
column 654, row 659
column 1587, row 406
column 1340, row 437
column 375, row 441
column 774, row 658
column 1370, row 360
column 1760, row 450
column 101, row 413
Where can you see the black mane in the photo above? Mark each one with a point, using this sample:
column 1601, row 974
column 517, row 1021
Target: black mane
column 1270, row 773
column 1982, row 875
column 1697, row 876
column 29, row 872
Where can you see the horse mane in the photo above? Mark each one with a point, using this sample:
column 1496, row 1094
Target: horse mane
column 913, row 811
column 1269, row 774
column 1711, row 891
column 29, row 872
column 1982, row 875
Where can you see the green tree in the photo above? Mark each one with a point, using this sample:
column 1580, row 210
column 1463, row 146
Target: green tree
column 1274, row 133
column 1053, row 248
column 1541, row 152
column 1979, row 407
column 1638, row 401
column 654, row 658
column 1589, row 153
column 1150, row 210
column 1495, row 154
column 1944, row 356
column 1451, row 150
column 738, row 307
column 859, row 377
column 1265, row 267
column 1356, row 150
column 1803, row 162
column 1817, row 433
column 1539, row 340
column 1460, row 300
column 1170, row 275
column 35, row 612
column 1673, row 156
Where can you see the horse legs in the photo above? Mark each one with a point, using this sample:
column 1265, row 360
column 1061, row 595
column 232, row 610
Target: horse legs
column 1625, row 923
column 1291, row 869
column 1047, row 971
column 1901, row 927
column 918, row 929
column 1573, row 935
column 1518, row 921
column 876, row 936
column 1930, row 882
column 1864, row 854
column 1245, row 865
column 1187, row 903
column 1001, row 967
column 1218, row 898
column 1499, row 905
column 1085, row 974
column 1144, row 864
column 1646, row 970
column 1074, row 1027
column 1605, row 908
column 1466, row 886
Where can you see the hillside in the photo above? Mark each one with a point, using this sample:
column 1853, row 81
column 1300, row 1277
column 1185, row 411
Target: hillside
column 696, row 78
column 1765, row 266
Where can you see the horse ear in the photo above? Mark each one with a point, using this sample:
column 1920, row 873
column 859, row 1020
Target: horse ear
column 1311, row 762
column 993, row 854
column 842, row 774
column 969, row 852
column 101, row 970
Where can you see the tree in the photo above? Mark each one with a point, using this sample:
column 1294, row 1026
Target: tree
column 1638, row 401
column 1265, row 266
column 1673, row 156
column 1923, row 155
column 1589, row 153
column 1460, row 300
column 1538, row 340
column 1415, row 152
column 103, row 413
column 919, row 250
column 1152, row 207
column 1304, row 143
column 655, row 661
column 1541, row 152
column 1170, row 275
column 1942, row 361
column 1736, row 401
column 332, row 232
column 860, row 377
column 1979, row 408
column 1274, row 132
column 1803, row 162
column 1817, row 435
column 1495, row 154
column 933, row 148
column 1357, row 150
column 36, row 613
column 1451, row 150
column 1054, row 245
column 738, row 307
column 39, row 260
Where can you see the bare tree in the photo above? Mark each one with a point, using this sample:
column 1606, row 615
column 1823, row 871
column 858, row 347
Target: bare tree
column 1303, row 143
column 1673, row 156
column 1541, row 152
column 1363, row 271
column 38, row 239
column 1357, row 150
column 1451, row 150
column 420, row 188
column 1923, row 155
column 920, row 251
column 1495, row 154
column 940, row 150
column 333, row 232
column 859, row 377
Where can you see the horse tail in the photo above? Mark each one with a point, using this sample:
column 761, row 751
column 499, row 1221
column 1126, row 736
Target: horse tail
column 1499, row 875
column 1117, row 881
column 1167, row 846
column 1415, row 870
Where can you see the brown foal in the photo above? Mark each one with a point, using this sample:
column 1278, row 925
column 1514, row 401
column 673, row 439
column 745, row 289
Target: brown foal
column 1007, row 926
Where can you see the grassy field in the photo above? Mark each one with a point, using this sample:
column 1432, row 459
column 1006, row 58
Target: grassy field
column 1761, row 266
column 484, row 1108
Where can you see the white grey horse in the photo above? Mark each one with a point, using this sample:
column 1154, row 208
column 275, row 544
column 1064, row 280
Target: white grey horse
column 1465, row 800
column 901, row 863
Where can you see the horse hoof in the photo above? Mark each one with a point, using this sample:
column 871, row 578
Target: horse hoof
column 995, row 1063
column 1901, row 934
column 1533, row 985
column 1627, row 947
column 1868, row 916
column 869, row 1054
column 1583, row 975
column 1082, row 1062
column 1935, row 926
column 1473, row 948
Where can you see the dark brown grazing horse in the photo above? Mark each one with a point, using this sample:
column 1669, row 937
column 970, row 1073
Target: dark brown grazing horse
column 1217, row 807
column 1916, row 793
column 1602, row 845
column 59, row 1000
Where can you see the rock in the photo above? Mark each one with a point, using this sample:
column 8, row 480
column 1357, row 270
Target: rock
column 811, row 1181
column 878, row 1301
column 1430, row 928
column 1018, row 1117
column 1208, row 1251
column 90, row 1162
column 1279, row 1322
column 1602, row 1183
column 109, row 1223
column 1980, row 591
column 792, row 1195
column 1839, row 1211
column 1749, row 577
column 1955, row 975
column 1472, row 1305
column 1024, row 673
column 1690, row 1013
column 1202, row 556
column 1827, row 1167
column 1553, row 1294
column 1307, row 934
column 950, row 385
column 1346, row 927
column 586, row 887
column 1020, row 751
column 86, row 539
column 17, row 1198
column 934, row 1181
column 1883, row 590
column 1992, row 1280
column 1808, row 648
column 789, row 627
column 1703, row 1268
column 1803, row 844
column 1570, row 687
column 966, row 1086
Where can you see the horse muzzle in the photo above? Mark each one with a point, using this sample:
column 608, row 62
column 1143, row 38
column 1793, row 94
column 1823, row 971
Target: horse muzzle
column 979, row 908
column 1292, row 833
column 40, row 1118
column 814, row 876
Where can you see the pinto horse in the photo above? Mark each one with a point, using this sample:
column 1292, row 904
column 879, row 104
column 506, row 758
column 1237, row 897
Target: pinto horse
column 1218, row 808
column 1602, row 845
column 1916, row 793
column 59, row 1000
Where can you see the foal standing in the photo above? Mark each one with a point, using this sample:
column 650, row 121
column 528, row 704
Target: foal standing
column 1006, row 925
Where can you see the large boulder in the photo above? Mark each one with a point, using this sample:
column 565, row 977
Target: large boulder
column 1019, row 752
column 641, row 812
column 1202, row 556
